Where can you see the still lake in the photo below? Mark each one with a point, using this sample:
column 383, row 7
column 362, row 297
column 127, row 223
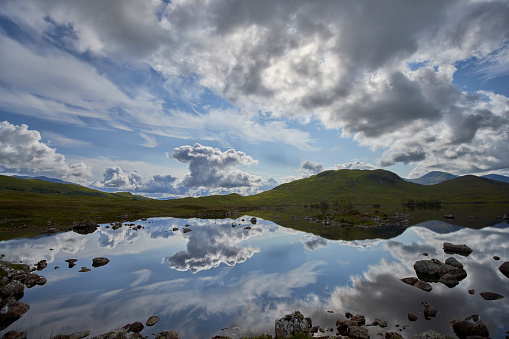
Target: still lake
column 224, row 280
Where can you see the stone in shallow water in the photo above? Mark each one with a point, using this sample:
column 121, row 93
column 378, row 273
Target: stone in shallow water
column 291, row 325
column 491, row 296
column 152, row 320
column 429, row 311
column 463, row 250
column 100, row 261
column 504, row 269
column 470, row 325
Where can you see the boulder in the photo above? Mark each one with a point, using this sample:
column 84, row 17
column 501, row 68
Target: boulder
column 429, row 311
column 360, row 319
column 448, row 280
column 85, row 227
column 85, row 269
column 379, row 322
column 117, row 334
column 100, row 261
column 80, row 334
column 186, row 230
column 453, row 262
column 291, row 325
column 431, row 334
column 432, row 270
column 358, row 332
column 15, row 335
column 32, row 279
column 472, row 291
column 463, row 250
column 504, row 269
column 11, row 311
column 393, row 335
column 152, row 321
column 175, row 229
column 13, row 289
column 253, row 220
column 491, row 296
column 412, row 317
column 136, row 327
column 42, row 265
column 470, row 325
column 167, row 335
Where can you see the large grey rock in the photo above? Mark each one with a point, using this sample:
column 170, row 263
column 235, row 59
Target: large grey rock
column 291, row 325
column 470, row 325
column 432, row 270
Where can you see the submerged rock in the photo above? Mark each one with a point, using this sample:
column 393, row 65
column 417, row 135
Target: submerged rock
column 430, row 334
column 136, row 327
column 417, row 283
column 429, row 311
column 504, row 269
column 152, row 320
column 15, row 335
column 393, row 335
column 291, row 325
column 100, row 261
column 412, row 317
column 167, row 335
column 42, row 265
column 10, row 311
column 491, row 296
column 463, row 250
column 470, row 325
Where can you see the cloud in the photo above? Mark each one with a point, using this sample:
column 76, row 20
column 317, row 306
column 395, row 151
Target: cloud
column 131, row 180
column 211, row 245
column 355, row 165
column 280, row 61
column 308, row 167
column 22, row 151
column 312, row 243
column 209, row 167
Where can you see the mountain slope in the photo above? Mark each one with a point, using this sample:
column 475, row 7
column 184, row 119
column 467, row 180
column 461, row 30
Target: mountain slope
column 496, row 177
column 433, row 178
column 380, row 187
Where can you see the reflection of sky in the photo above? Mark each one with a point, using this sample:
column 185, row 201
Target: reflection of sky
column 218, row 276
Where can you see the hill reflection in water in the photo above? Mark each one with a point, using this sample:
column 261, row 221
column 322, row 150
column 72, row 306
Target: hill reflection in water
column 218, row 276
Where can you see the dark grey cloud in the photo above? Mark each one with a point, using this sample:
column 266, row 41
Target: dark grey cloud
column 308, row 167
column 209, row 167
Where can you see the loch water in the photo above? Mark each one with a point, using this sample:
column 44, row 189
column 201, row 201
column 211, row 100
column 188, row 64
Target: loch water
column 232, row 281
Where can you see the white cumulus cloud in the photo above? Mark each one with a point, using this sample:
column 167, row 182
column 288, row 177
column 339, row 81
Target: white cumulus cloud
column 22, row 151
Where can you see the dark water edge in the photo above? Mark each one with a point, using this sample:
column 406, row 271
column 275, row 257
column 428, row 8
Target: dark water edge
column 222, row 277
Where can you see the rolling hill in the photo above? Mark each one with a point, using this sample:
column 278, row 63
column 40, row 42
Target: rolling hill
column 38, row 202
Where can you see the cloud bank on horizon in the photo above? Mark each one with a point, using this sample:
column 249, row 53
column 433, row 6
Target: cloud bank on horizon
column 285, row 88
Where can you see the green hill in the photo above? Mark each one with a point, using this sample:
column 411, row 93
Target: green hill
column 37, row 202
column 380, row 187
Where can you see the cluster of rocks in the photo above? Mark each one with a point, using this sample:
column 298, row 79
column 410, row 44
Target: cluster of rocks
column 295, row 324
column 450, row 273
column 14, row 279
column 132, row 331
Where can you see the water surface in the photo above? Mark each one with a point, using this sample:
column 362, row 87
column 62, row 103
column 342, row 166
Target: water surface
column 219, row 279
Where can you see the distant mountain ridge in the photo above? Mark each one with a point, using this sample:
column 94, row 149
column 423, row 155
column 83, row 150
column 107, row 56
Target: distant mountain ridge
column 53, row 180
column 436, row 177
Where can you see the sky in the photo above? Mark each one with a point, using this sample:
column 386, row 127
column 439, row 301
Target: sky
column 190, row 98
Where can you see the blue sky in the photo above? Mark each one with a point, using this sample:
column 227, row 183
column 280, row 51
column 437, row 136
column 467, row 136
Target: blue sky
column 186, row 98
